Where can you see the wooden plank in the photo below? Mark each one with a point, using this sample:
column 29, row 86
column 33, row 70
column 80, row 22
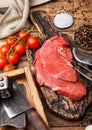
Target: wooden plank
column 13, row 73
column 83, row 11
column 78, row 23
column 34, row 93
column 56, row 7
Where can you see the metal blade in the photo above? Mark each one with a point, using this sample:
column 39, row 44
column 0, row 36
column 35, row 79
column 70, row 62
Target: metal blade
column 0, row 113
column 85, row 67
column 16, row 104
column 83, row 70
column 15, row 122
column 82, row 57
column 18, row 121
column 84, row 75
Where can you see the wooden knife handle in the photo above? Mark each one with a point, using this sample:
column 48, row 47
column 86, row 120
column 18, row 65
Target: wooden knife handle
column 35, row 119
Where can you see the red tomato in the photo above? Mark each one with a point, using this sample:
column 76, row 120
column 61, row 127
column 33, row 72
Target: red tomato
column 33, row 42
column 0, row 54
column 21, row 33
column 19, row 48
column 8, row 67
column 4, row 50
column 13, row 58
column 10, row 40
column 3, row 62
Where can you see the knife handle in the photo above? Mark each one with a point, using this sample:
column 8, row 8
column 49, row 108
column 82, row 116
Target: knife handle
column 35, row 119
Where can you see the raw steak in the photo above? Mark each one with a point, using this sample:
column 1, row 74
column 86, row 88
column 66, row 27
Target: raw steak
column 45, row 78
column 55, row 62
column 54, row 69
column 58, row 45
column 75, row 91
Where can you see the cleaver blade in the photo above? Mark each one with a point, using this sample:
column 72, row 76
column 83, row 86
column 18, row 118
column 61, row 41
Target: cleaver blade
column 82, row 57
column 19, row 122
column 18, row 104
column 15, row 105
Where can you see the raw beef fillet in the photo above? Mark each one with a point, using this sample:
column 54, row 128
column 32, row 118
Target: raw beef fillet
column 54, row 69
column 75, row 91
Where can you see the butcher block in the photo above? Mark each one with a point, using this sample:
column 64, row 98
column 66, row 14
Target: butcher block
column 81, row 10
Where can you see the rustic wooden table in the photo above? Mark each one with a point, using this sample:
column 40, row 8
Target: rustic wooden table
column 81, row 10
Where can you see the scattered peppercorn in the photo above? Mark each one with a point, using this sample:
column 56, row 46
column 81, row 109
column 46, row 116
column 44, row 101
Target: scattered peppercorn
column 83, row 37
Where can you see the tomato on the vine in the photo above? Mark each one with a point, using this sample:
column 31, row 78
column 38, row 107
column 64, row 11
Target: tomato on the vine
column 33, row 42
column 8, row 68
column 10, row 40
column 4, row 50
column 13, row 58
column 21, row 33
column 19, row 48
column 3, row 62
column 0, row 54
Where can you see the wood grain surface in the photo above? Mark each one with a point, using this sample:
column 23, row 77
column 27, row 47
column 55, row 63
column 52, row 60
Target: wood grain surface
column 81, row 11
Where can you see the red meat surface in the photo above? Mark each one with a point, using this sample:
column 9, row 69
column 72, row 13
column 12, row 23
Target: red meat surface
column 45, row 78
column 53, row 68
column 57, row 45
column 75, row 91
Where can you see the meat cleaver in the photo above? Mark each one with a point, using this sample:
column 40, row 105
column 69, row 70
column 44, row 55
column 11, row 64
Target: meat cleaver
column 18, row 104
column 19, row 122
column 82, row 57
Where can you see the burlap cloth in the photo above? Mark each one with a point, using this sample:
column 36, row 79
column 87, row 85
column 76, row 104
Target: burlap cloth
column 16, row 16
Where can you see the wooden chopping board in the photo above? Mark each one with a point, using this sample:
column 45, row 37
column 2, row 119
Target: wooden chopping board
column 81, row 11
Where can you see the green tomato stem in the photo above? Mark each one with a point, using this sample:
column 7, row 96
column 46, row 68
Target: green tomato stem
column 11, row 48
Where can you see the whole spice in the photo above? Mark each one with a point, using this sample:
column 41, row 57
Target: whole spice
column 83, row 37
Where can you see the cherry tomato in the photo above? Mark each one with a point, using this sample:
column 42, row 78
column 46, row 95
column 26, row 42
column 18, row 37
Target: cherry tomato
column 21, row 33
column 20, row 48
column 33, row 42
column 3, row 62
column 8, row 67
column 0, row 54
column 10, row 40
column 13, row 58
column 4, row 50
